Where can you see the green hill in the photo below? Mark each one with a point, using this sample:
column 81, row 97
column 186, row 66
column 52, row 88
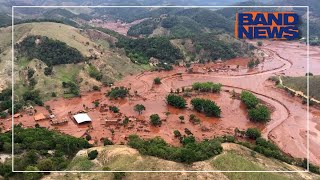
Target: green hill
column 234, row 157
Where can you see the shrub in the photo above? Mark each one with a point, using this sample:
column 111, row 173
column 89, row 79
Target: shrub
column 53, row 94
column 88, row 137
column 114, row 109
column 251, row 64
column 259, row 114
column 206, row 106
column 259, row 43
column 155, row 119
column 45, row 165
column 96, row 103
column 96, row 88
column 176, row 133
column 176, row 101
column 92, row 154
column 3, row 115
column 119, row 175
column 253, row 133
column 157, row 80
column 250, row 100
column 48, row 70
column 106, row 141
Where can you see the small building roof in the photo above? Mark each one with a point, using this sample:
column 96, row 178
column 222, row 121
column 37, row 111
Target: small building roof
column 39, row 117
column 82, row 117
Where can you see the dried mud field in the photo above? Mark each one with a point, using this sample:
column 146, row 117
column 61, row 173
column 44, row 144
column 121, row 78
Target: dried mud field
column 287, row 127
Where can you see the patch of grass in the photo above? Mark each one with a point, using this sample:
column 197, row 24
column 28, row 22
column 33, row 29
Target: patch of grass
column 67, row 73
column 231, row 161
column 300, row 84
column 81, row 163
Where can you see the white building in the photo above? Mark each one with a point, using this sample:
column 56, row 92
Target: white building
column 82, row 117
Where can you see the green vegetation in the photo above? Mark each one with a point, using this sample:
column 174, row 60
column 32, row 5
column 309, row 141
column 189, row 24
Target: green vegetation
column 250, row 100
column 206, row 106
column 114, row 109
column 231, row 161
column 206, row 87
column 300, row 84
column 32, row 146
column 256, row 112
column 48, row 71
column 146, row 27
column 259, row 43
column 155, row 120
column 157, row 80
column 141, row 50
column 176, row 101
column 191, row 151
column 74, row 88
column 95, row 73
column 259, row 114
column 51, row 52
column 253, row 133
column 106, row 142
column 118, row 92
column 92, row 154
column 139, row 108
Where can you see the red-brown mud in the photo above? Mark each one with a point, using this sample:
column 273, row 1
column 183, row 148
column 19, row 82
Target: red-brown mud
column 287, row 127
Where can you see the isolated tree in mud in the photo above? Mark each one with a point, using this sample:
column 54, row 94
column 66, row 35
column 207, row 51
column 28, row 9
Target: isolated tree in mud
column 139, row 108
column 155, row 119
column 181, row 119
column 118, row 92
column 176, row 101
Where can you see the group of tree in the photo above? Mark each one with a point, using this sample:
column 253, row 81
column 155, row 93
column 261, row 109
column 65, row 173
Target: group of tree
column 206, row 106
column 206, row 87
column 190, row 152
column 176, row 101
column 118, row 92
column 257, row 112
column 31, row 146
column 50, row 51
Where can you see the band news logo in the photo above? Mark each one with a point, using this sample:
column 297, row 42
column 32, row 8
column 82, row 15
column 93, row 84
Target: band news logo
column 263, row 25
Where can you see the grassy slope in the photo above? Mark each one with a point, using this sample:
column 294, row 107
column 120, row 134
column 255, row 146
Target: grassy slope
column 300, row 84
column 113, row 65
column 235, row 157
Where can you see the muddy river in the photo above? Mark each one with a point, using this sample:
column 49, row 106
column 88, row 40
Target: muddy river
column 287, row 127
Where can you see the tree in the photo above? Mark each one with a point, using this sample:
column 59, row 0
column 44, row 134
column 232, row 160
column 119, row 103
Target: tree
column 118, row 92
column 53, row 94
column 259, row 114
column 181, row 119
column 31, row 175
column 139, row 108
column 92, row 154
column 96, row 88
column 155, row 119
column 157, row 80
column 253, row 133
column 176, row 101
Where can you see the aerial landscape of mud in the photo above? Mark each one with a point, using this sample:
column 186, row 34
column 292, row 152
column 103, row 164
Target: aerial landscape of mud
column 289, row 115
